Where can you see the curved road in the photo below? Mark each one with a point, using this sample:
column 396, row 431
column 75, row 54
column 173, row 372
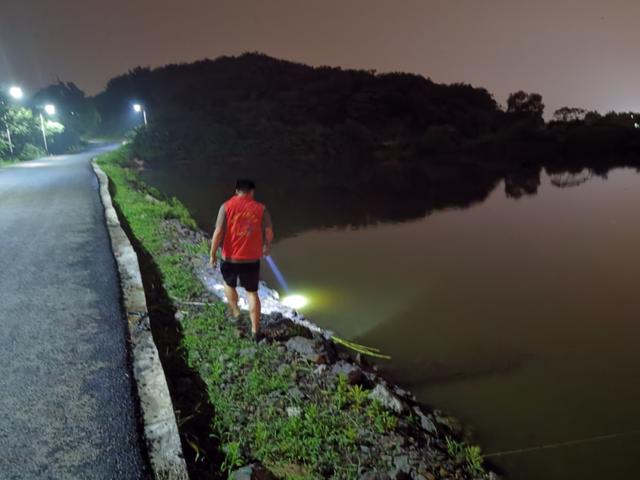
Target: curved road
column 67, row 407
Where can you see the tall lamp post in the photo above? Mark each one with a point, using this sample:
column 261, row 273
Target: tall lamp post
column 17, row 94
column 8, row 136
column 49, row 110
column 140, row 108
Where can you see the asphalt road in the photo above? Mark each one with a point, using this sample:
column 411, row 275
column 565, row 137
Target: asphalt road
column 67, row 408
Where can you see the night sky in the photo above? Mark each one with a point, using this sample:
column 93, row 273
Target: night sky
column 577, row 53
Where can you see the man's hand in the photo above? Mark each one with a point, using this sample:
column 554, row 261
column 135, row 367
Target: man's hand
column 216, row 240
column 266, row 249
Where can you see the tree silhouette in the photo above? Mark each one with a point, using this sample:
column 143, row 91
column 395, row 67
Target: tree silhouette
column 526, row 105
column 569, row 114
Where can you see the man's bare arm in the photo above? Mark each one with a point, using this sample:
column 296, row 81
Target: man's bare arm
column 268, row 238
column 216, row 240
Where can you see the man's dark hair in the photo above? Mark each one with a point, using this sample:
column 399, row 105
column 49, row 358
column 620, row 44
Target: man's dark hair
column 245, row 185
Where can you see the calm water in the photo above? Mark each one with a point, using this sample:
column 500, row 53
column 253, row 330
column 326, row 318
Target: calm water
column 521, row 317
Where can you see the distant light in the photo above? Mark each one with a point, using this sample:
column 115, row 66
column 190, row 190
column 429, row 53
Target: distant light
column 50, row 109
column 295, row 301
column 16, row 92
column 137, row 107
column 637, row 125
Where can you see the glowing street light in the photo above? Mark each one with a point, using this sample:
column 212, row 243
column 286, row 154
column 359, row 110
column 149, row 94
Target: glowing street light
column 49, row 110
column 139, row 108
column 16, row 92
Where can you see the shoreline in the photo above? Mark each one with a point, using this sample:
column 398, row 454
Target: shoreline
column 157, row 411
column 396, row 437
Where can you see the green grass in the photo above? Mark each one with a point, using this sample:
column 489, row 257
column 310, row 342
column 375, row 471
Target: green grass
column 6, row 163
column 145, row 218
column 469, row 455
column 249, row 386
column 251, row 392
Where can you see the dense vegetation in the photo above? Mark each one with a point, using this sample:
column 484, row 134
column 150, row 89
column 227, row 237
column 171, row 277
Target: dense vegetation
column 21, row 135
column 274, row 118
column 24, row 139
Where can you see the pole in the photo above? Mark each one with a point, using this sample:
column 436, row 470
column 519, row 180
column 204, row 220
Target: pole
column 9, row 141
column 6, row 125
column 44, row 134
column 144, row 115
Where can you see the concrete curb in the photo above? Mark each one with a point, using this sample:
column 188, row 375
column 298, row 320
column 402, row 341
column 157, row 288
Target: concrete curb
column 160, row 427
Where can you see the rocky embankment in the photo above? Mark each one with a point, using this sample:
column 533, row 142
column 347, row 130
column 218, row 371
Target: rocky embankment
column 421, row 444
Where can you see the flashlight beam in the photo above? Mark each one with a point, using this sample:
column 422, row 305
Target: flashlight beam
column 277, row 273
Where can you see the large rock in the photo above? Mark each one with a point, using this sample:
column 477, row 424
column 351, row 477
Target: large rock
column 451, row 423
column 401, row 463
column 310, row 348
column 254, row 471
column 277, row 327
column 388, row 399
column 426, row 422
column 349, row 370
column 402, row 393
column 294, row 412
column 374, row 476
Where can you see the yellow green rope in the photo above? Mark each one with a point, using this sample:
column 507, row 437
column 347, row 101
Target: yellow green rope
column 370, row 351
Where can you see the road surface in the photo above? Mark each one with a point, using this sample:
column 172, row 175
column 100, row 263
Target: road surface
column 67, row 408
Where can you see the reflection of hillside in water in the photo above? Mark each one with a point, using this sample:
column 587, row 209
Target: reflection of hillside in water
column 300, row 210
column 301, row 206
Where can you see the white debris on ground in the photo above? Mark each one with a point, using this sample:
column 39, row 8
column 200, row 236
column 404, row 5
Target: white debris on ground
column 269, row 298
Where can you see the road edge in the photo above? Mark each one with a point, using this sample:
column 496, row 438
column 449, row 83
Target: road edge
column 159, row 422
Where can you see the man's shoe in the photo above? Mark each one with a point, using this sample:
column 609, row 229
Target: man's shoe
column 235, row 316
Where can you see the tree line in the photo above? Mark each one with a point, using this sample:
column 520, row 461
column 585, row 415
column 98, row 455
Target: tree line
column 24, row 124
column 332, row 127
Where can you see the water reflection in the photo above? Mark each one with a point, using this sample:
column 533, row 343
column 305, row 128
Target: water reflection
column 299, row 209
column 301, row 206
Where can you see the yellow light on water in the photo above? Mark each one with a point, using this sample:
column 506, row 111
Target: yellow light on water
column 295, row 301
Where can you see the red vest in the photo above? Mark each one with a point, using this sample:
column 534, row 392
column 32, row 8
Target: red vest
column 243, row 237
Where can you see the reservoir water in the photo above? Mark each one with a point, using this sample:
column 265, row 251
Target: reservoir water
column 519, row 316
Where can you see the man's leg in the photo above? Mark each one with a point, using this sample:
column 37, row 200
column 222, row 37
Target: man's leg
column 230, row 276
column 232, row 298
column 254, row 311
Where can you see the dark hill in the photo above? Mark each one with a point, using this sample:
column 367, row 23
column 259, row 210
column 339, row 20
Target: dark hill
column 271, row 116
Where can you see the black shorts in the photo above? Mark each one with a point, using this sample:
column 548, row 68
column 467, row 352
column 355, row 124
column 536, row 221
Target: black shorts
column 247, row 273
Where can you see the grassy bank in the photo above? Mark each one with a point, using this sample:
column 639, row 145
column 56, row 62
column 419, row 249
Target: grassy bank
column 6, row 163
column 270, row 405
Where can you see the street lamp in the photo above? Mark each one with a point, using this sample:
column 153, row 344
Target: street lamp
column 16, row 92
column 49, row 110
column 139, row 108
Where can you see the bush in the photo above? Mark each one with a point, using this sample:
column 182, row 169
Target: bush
column 30, row 152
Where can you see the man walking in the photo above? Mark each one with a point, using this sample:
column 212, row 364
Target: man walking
column 244, row 230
